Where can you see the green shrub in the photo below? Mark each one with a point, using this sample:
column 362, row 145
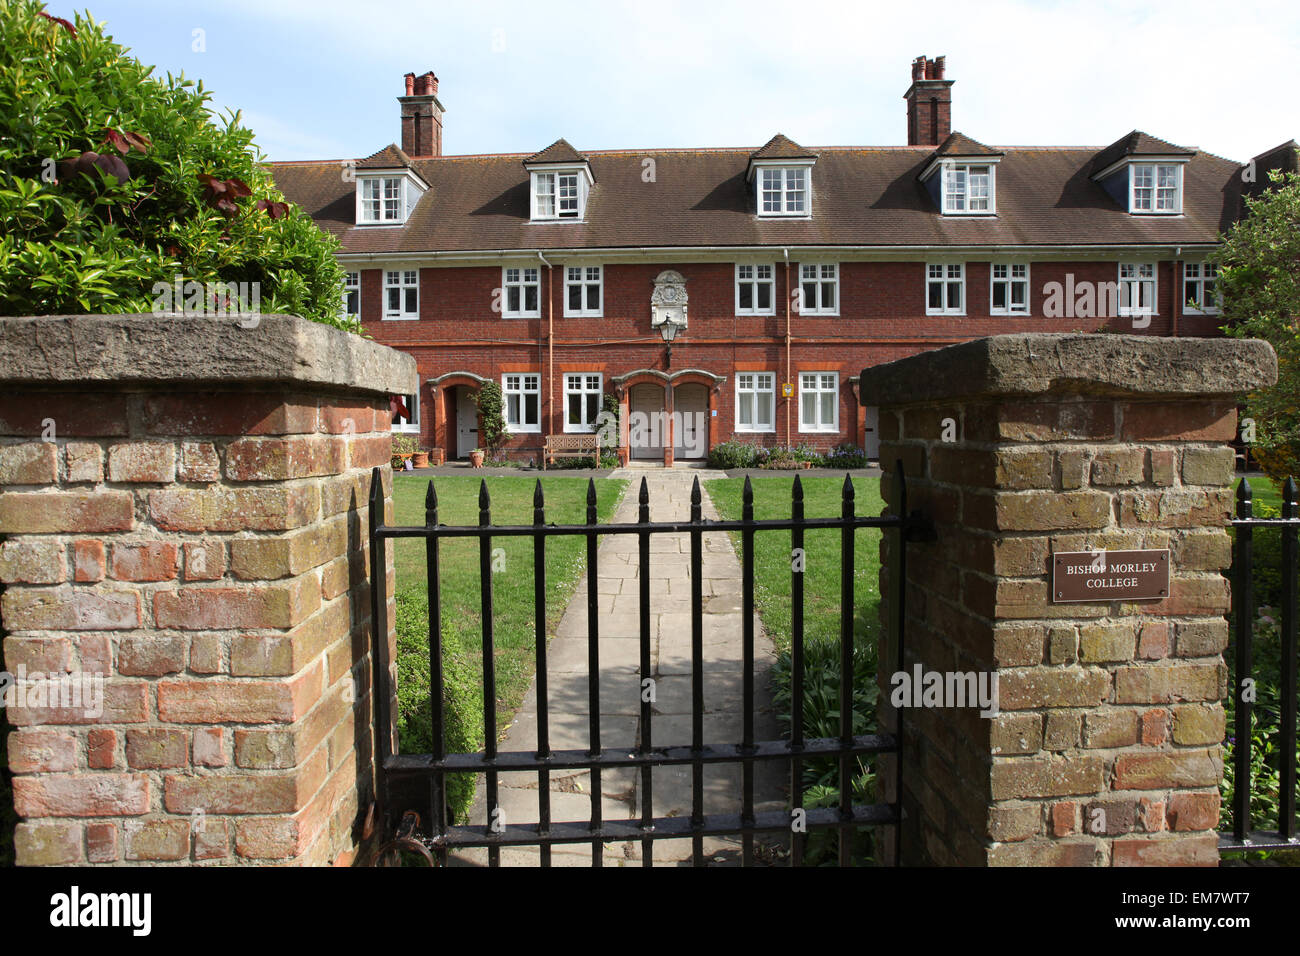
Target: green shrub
column 491, row 417
column 736, row 454
column 846, row 455
column 573, row 462
column 821, row 718
column 114, row 182
column 462, row 681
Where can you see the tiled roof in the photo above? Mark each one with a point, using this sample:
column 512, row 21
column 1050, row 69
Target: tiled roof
column 558, row 152
column 1137, row 143
column 782, row 147
column 861, row 196
column 390, row 157
column 959, row 144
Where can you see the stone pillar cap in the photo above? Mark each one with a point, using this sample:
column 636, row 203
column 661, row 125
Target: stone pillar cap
column 1039, row 363
column 208, row 350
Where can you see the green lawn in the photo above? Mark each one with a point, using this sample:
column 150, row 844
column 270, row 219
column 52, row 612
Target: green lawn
column 1262, row 490
column 822, row 499
column 512, row 586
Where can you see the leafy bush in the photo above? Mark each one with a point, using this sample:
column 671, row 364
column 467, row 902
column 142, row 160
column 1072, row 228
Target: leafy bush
column 846, row 455
column 114, row 182
column 462, row 683
column 491, row 417
column 736, row 454
column 1266, row 728
column 574, row 462
column 1260, row 287
column 821, row 718
column 781, row 459
column 610, row 435
column 803, row 452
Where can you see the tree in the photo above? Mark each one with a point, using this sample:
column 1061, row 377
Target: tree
column 1259, row 280
column 119, row 189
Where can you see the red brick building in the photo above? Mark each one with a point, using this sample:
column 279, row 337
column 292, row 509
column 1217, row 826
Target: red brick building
column 781, row 272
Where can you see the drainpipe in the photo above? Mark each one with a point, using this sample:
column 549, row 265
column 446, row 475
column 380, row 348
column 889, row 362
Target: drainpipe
column 550, row 344
column 789, row 371
column 1177, row 291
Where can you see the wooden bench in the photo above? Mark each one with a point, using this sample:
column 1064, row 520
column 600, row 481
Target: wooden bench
column 566, row 446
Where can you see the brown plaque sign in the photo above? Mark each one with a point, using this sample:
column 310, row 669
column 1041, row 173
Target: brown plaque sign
column 1110, row 576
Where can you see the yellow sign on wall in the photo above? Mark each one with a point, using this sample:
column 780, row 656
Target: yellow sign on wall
column 787, row 389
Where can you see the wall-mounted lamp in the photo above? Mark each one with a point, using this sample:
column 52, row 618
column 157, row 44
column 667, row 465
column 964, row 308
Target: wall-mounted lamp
column 668, row 329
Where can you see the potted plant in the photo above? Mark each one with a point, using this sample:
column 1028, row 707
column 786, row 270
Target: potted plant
column 420, row 459
column 476, row 458
column 404, row 447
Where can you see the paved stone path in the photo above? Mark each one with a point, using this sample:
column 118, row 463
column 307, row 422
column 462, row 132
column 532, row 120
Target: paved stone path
column 618, row 593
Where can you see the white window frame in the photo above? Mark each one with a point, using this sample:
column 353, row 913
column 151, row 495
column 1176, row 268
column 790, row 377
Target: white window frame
column 587, row 383
column 558, row 195
column 791, row 189
column 962, row 202
column 1194, row 274
column 396, row 195
column 822, row 383
column 1161, row 200
column 754, row 280
column 351, row 286
column 518, row 385
column 407, row 279
column 946, row 278
column 819, row 279
column 521, row 277
column 587, row 276
column 756, row 384
column 1136, row 280
column 413, row 423
column 1010, row 280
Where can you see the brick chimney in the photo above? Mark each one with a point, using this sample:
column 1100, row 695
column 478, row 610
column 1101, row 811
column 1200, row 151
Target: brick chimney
column 421, row 117
column 929, row 103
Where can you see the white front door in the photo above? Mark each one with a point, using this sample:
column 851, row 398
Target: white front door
column 691, row 423
column 466, row 423
column 871, row 436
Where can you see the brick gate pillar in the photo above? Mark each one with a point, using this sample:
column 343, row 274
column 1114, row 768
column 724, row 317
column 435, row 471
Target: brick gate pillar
column 1107, row 746
column 183, row 527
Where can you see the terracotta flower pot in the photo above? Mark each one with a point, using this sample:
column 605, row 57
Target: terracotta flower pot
column 476, row 459
column 420, row 459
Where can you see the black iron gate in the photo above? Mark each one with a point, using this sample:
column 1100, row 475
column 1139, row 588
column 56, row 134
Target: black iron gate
column 412, row 787
column 1278, row 716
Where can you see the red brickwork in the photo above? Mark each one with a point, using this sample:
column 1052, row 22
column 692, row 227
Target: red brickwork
column 207, row 553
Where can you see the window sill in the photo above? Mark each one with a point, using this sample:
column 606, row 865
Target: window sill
column 401, row 318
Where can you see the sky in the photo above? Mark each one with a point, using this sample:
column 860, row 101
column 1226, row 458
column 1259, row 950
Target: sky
column 318, row 79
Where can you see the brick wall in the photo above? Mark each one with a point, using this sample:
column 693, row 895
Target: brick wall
column 1106, row 750
column 882, row 318
column 203, row 547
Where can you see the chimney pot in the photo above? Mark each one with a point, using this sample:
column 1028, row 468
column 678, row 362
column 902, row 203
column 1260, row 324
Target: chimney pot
column 421, row 121
column 929, row 103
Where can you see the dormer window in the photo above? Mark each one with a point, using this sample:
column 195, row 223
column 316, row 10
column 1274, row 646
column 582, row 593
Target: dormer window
column 560, row 194
column 783, row 191
column 1156, row 188
column 386, row 200
column 968, row 189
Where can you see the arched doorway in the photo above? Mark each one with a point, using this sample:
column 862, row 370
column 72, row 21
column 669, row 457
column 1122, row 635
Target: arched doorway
column 691, row 422
column 647, row 429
